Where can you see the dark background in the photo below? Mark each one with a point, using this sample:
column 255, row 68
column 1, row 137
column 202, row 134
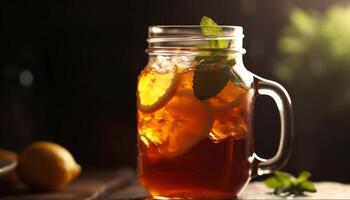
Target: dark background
column 84, row 57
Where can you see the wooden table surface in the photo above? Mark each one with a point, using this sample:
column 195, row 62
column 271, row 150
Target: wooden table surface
column 123, row 185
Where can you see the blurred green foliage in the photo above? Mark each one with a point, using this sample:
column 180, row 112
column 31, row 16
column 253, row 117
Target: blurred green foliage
column 314, row 59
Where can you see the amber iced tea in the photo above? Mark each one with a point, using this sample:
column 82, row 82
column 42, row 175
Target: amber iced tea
column 195, row 100
column 190, row 147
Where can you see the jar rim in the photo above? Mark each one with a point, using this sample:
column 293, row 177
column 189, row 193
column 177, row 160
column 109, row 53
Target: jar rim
column 183, row 31
column 191, row 36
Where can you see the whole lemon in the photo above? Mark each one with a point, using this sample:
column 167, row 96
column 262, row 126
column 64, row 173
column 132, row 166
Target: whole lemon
column 9, row 155
column 46, row 165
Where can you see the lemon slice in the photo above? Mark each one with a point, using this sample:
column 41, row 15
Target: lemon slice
column 178, row 126
column 154, row 90
column 193, row 122
column 227, row 98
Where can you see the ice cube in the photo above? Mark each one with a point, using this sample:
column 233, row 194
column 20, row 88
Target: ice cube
column 228, row 125
column 163, row 64
column 166, row 64
column 153, row 127
column 183, row 62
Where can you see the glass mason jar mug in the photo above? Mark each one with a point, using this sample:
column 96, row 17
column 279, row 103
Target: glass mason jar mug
column 195, row 112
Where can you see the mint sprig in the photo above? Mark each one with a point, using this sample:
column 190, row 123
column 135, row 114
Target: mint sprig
column 210, row 78
column 285, row 184
column 210, row 28
column 213, row 71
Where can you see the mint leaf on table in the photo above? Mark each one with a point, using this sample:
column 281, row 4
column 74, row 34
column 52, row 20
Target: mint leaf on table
column 285, row 184
column 284, row 177
column 303, row 176
column 273, row 182
column 213, row 71
column 308, row 186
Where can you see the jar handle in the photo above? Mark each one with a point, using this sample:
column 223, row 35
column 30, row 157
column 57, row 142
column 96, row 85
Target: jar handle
column 284, row 105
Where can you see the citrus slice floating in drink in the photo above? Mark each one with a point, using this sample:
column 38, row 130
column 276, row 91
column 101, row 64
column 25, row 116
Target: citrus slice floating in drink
column 180, row 125
column 193, row 122
column 155, row 90
column 229, row 97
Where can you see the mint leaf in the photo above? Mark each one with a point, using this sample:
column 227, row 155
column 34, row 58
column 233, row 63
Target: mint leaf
column 303, row 176
column 213, row 70
column 285, row 184
column 212, row 74
column 284, row 177
column 209, row 79
column 308, row 186
column 273, row 182
column 210, row 28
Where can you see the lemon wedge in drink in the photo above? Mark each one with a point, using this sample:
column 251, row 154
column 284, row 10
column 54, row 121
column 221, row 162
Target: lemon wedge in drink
column 179, row 125
column 229, row 97
column 193, row 121
column 154, row 89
